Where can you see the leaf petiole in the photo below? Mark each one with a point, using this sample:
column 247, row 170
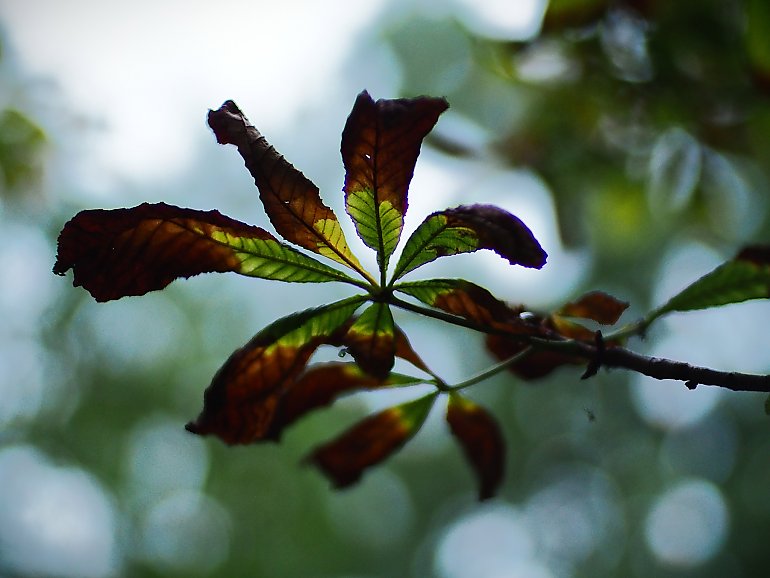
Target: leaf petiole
column 492, row 371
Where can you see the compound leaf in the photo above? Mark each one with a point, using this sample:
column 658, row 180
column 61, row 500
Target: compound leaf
column 380, row 145
column 479, row 436
column 745, row 277
column 371, row 441
column 241, row 402
column 120, row 252
column 466, row 229
column 292, row 202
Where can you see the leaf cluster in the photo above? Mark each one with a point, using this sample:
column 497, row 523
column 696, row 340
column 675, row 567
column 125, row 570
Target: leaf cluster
column 270, row 382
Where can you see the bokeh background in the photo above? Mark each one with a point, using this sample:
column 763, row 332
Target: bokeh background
column 633, row 138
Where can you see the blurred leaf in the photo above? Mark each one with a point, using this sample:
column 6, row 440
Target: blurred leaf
column 461, row 297
column 745, row 277
column 240, row 404
column 675, row 170
column 573, row 13
column 371, row 340
column 292, row 202
column 596, row 305
column 380, row 145
column 321, row 384
column 121, row 252
column 758, row 41
column 21, row 142
column 469, row 228
column 479, row 436
column 371, row 441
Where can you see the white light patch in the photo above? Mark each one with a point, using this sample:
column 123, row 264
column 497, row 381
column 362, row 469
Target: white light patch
column 491, row 542
column 54, row 521
column 504, row 19
column 187, row 532
column 688, row 524
column 147, row 71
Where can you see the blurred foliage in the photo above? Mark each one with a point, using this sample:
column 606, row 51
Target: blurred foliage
column 649, row 121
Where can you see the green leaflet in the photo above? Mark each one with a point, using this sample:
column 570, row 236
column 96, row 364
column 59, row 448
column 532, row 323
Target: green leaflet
column 300, row 328
column 271, row 259
column 468, row 228
column 378, row 226
column 434, row 238
column 743, row 278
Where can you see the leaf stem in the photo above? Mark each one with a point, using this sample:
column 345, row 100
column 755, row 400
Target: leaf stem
column 491, row 371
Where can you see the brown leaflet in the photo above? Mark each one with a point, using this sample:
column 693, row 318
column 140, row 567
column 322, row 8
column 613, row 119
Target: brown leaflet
column 317, row 387
column 241, row 402
column 481, row 440
column 292, row 202
column 121, row 252
column 370, row 441
column 597, row 305
column 477, row 304
column 500, row 231
column 539, row 362
column 371, row 340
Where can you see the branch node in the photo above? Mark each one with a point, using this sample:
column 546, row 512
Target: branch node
column 691, row 384
column 595, row 364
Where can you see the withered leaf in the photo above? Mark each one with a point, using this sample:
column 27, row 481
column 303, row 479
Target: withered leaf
column 597, row 305
column 121, row 252
column 240, row 404
column 321, row 384
column 292, row 202
column 380, row 145
column 462, row 298
column 371, row 441
column 466, row 229
column 480, row 438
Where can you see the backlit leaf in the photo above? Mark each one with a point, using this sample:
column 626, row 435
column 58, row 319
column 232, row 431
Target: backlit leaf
column 745, row 277
column 596, row 305
column 292, row 202
column 480, row 438
column 469, row 228
column 321, row 384
column 240, row 404
column 371, row 340
column 120, row 252
column 380, row 145
column 462, row 298
column 371, row 441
